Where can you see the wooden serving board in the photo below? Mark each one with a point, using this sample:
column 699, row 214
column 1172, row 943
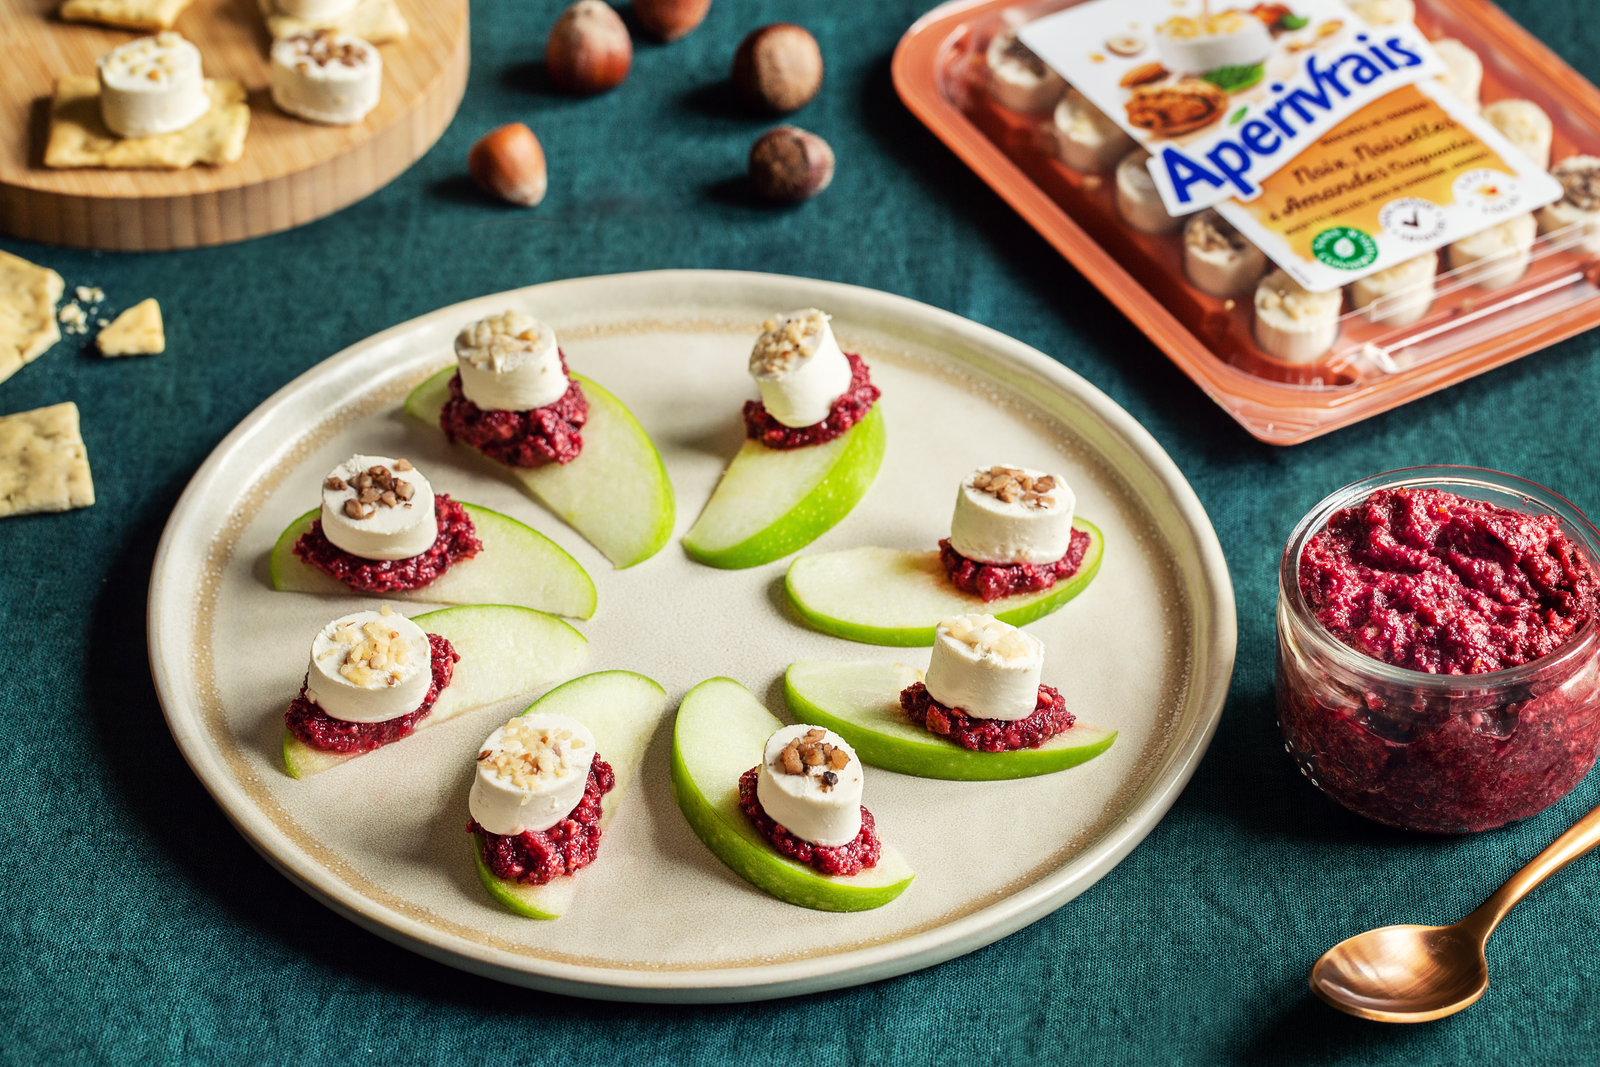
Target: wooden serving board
column 292, row 171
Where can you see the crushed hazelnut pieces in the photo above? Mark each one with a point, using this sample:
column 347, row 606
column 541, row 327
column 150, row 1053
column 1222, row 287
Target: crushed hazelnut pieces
column 376, row 487
column 526, row 752
column 985, row 633
column 323, row 48
column 376, row 656
column 786, row 342
column 811, row 755
column 1010, row 485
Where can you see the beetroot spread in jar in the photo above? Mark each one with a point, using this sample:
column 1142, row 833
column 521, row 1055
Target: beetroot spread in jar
column 1049, row 718
column 848, row 859
column 519, row 438
column 1482, row 701
column 534, row 857
column 850, row 408
column 457, row 540
column 995, row 581
column 310, row 724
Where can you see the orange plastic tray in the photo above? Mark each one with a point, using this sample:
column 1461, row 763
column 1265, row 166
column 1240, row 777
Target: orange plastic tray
column 1471, row 330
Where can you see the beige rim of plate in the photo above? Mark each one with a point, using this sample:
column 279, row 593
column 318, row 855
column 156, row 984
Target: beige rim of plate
column 1148, row 649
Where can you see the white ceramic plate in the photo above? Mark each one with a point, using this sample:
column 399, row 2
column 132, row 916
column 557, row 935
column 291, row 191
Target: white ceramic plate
column 1147, row 649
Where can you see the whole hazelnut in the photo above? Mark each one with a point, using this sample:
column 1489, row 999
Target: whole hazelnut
column 509, row 163
column 589, row 50
column 788, row 165
column 778, row 68
column 670, row 19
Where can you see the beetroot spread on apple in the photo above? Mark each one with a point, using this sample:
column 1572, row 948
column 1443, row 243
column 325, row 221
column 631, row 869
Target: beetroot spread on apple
column 511, row 397
column 1442, row 587
column 982, row 688
column 382, row 529
column 1011, row 533
column 811, row 391
column 373, row 676
column 805, row 798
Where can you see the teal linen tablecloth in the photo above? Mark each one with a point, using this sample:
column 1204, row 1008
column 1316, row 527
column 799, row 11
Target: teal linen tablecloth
column 137, row 927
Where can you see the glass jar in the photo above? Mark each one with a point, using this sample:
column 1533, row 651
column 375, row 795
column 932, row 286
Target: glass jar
column 1440, row 753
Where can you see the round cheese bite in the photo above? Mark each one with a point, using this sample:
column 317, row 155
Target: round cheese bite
column 1398, row 295
column 371, row 666
column 1018, row 79
column 986, row 668
column 510, row 362
column 810, row 784
column 152, row 86
column 1231, row 38
column 1498, row 256
column 1383, row 12
column 1465, row 76
column 379, row 508
column 1579, row 205
column 799, row 368
column 1525, row 125
column 1292, row 324
column 1008, row 514
column 531, row 773
column 1086, row 139
column 315, row 9
column 327, row 77
column 1218, row 258
column 1137, row 197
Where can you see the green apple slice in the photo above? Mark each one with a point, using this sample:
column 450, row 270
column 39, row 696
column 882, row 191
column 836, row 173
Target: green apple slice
column 885, row 596
column 518, row 565
column 623, row 710
column 861, row 703
column 504, row 651
column 616, row 493
column 721, row 732
column 772, row 502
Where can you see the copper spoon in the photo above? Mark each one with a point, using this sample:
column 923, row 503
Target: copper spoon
column 1411, row 974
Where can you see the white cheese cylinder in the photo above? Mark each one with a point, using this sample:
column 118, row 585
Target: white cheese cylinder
column 1003, row 516
column 1018, row 79
column 1579, row 207
column 316, row 10
column 369, row 667
column 531, row 773
column 799, row 368
column 510, row 362
column 1383, row 12
column 152, row 86
column 326, row 77
column 392, row 526
column 1292, row 324
column 987, row 668
column 1524, row 124
column 1086, row 139
column 1231, row 39
column 1137, row 197
column 1465, row 75
column 1398, row 295
column 1217, row 258
column 1498, row 256
column 808, row 804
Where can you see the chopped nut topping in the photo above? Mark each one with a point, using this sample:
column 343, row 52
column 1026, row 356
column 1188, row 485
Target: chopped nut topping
column 1210, row 232
column 527, row 752
column 403, row 464
column 377, row 656
column 323, row 47
column 375, row 487
column 811, row 755
column 1580, row 180
column 985, row 633
column 489, row 344
column 334, row 484
column 353, row 508
column 786, row 343
column 1010, row 485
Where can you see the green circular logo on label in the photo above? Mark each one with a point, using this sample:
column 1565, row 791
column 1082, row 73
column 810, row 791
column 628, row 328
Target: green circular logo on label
column 1345, row 247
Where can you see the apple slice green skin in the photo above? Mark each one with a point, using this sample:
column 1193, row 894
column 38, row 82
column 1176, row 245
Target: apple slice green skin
column 505, row 650
column 885, row 596
column 616, row 493
column 772, row 502
column 518, row 565
column 861, row 703
column 623, row 710
column 720, row 733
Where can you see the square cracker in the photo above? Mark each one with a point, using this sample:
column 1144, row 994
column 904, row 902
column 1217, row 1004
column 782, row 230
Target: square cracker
column 28, row 295
column 126, row 14
column 43, row 464
column 78, row 138
column 376, row 21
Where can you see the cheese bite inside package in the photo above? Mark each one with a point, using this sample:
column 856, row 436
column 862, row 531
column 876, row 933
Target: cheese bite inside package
column 1318, row 215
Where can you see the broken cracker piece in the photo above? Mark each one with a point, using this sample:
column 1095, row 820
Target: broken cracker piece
column 28, row 295
column 135, row 332
column 125, row 14
column 374, row 21
column 43, row 464
column 78, row 137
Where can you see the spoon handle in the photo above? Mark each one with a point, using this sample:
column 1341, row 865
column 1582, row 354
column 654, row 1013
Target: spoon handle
column 1583, row 836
